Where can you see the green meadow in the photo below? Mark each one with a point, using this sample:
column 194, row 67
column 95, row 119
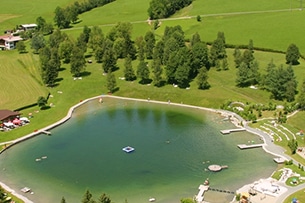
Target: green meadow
column 270, row 24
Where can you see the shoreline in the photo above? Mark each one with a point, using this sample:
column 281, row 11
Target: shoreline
column 234, row 119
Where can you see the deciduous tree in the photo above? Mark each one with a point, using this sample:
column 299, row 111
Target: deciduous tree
column 111, row 81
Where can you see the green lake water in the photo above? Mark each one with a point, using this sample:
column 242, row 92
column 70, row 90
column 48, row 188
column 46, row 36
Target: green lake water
column 173, row 148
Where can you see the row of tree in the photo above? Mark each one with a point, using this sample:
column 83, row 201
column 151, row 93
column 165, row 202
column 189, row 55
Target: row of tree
column 164, row 8
column 64, row 16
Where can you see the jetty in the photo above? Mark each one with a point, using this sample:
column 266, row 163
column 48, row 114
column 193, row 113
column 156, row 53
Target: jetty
column 46, row 132
column 228, row 131
column 200, row 196
column 245, row 146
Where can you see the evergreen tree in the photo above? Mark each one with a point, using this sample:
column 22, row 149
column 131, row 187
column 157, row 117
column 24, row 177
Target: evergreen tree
column 195, row 39
column 143, row 71
column 149, row 44
column 129, row 72
column 247, row 57
column 202, row 79
column 218, row 48
column 157, row 72
column 292, row 54
column 225, row 64
column 237, row 57
column 291, row 84
column 111, row 81
column 104, row 199
column 242, row 75
column 217, row 65
column 301, row 97
column 253, row 75
column 250, row 46
column 87, row 198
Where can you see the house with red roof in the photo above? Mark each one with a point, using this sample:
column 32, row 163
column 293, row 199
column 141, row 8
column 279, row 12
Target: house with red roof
column 8, row 42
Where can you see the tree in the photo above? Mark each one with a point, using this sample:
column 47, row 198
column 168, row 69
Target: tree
column 143, row 71
column 149, row 44
column 199, row 56
column 157, row 72
column 250, row 46
column 129, row 72
column 202, row 79
column 237, row 57
column 198, row 18
column 63, row 200
column 78, row 61
column 41, row 102
column 225, row 64
column 87, row 198
column 293, row 145
column 291, row 84
column 96, row 38
column 104, row 199
column 21, row 47
column 247, row 57
column 37, row 42
column 242, row 75
column 61, row 18
column 111, row 81
column 218, row 49
column 65, row 50
column 301, row 98
column 187, row 200
column 56, row 38
column 109, row 57
column 182, row 75
column 292, row 54
column 195, row 39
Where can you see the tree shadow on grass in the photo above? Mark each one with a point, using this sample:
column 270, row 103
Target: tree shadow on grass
column 61, row 69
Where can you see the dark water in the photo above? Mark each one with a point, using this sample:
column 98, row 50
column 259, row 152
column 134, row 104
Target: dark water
column 173, row 148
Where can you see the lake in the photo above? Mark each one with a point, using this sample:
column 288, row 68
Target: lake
column 173, row 148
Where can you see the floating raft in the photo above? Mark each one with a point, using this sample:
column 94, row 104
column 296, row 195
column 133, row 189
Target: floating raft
column 128, row 149
column 216, row 168
column 244, row 146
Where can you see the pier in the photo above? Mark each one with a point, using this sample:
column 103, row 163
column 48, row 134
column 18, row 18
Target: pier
column 228, row 131
column 200, row 195
column 245, row 146
column 46, row 132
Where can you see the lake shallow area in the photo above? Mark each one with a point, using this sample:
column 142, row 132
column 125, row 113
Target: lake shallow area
column 173, row 148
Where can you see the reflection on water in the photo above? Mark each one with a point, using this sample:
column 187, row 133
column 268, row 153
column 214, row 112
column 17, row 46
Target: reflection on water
column 173, row 148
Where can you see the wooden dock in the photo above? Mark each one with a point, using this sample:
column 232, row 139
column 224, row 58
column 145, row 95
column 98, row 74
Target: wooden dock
column 200, row 195
column 228, row 131
column 245, row 146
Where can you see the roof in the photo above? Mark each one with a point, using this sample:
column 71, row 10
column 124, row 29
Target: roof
column 7, row 113
column 11, row 38
column 29, row 25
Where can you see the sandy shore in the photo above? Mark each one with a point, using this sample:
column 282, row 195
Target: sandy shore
column 235, row 119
